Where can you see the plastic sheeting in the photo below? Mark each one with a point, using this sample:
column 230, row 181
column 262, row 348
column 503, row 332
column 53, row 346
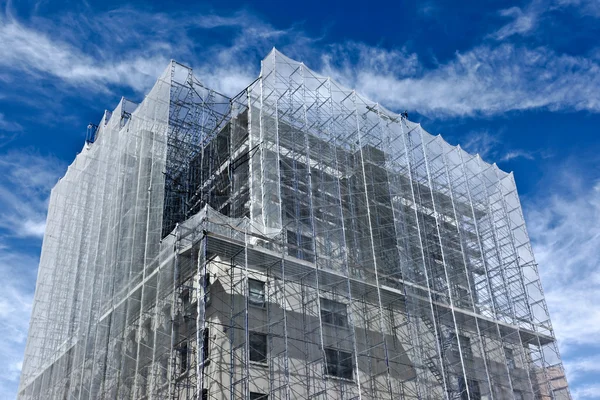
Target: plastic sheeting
column 298, row 241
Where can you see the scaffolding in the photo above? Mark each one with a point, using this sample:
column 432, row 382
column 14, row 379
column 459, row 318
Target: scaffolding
column 296, row 241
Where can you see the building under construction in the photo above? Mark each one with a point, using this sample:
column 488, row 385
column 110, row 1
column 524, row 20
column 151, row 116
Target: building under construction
column 296, row 241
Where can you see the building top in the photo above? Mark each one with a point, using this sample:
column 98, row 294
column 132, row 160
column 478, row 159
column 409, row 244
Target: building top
column 278, row 66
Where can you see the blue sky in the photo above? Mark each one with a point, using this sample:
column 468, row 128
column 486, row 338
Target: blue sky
column 517, row 82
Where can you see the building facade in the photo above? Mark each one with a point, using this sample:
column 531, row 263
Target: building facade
column 296, row 241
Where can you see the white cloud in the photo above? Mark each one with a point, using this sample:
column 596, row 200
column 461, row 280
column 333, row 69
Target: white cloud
column 131, row 48
column 6, row 138
column 491, row 146
column 9, row 126
column 587, row 392
column 18, row 271
column 33, row 228
column 522, row 22
column 484, row 80
column 512, row 154
column 565, row 231
column 36, row 53
column 581, row 366
column 585, row 7
column 483, row 143
column 527, row 20
column 25, row 184
column 565, row 228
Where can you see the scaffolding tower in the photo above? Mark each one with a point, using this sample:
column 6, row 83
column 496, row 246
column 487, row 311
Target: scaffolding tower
column 296, row 241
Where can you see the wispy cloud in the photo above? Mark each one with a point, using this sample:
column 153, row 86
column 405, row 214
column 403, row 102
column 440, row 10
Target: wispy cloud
column 37, row 54
column 484, row 80
column 130, row 48
column 527, row 20
column 9, row 126
column 522, row 22
column 25, row 185
column 565, row 230
column 512, row 154
column 581, row 366
column 484, row 143
column 18, row 271
column 427, row 8
column 585, row 7
column 24, row 188
column 492, row 147
column 6, row 138
column 587, row 392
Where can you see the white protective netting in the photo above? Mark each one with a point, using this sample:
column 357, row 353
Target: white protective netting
column 297, row 241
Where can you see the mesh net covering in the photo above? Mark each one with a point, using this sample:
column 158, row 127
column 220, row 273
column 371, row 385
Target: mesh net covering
column 296, row 242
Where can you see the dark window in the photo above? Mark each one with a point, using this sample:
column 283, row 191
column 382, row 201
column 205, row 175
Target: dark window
column 306, row 245
column 258, row 347
column 300, row 246
column 206, row 287
column 465, row 347
column 474, row 389
column 339, row 363
column 185, row 296
column 256, row 291
column 473, row 385
column 205, row 344
column 204, row 394
column 258, row 396
column 226, row 209
column 183, row 357
column 510, row 357
column 333, row 312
